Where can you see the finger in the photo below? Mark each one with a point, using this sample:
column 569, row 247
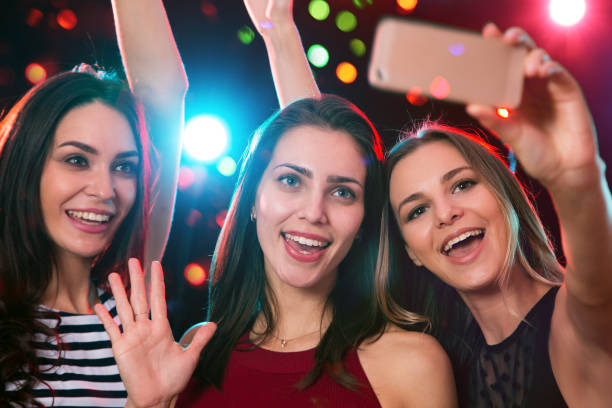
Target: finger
column 200, row 339
column 109, row 324
column 138, row 295
column 158, row 292
column 488, row 117
column 124, row 309
column 491, row 30
column 518, row 36
column 534, row 61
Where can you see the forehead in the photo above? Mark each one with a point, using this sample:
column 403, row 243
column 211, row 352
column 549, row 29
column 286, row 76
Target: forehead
column 323, row 150
column 425, row 166
column 97, row 125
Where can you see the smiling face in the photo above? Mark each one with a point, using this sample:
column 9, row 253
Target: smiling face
column 309, row 206
column 89, row 180
column 450, row 220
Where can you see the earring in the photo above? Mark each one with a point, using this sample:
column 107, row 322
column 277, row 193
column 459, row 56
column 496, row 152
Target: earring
column 253, row 216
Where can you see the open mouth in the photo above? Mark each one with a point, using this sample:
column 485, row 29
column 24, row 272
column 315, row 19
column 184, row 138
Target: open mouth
column 463, row 244
column 303, row 245
column 89, row 218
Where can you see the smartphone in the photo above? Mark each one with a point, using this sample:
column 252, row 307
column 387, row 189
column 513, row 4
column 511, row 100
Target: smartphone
column 445, row 63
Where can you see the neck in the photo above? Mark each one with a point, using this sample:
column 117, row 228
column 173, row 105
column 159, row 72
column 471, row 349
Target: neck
column 499, row 311
column 69, row 289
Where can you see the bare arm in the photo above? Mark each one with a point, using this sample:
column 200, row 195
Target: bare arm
column 156, row 76
column 291, row 72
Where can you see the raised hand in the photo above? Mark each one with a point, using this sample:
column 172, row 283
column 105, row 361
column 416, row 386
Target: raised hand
column 153, row 367
column 266, row 13
column 552, row 132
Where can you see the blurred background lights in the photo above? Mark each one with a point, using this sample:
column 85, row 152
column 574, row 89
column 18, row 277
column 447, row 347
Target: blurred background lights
column 318, row 55
column 346, row 72
column 357, row 47
column 35, row 73
column 246, row 35
column 186, row 178
column 34, row 17
column 195, row 274
column 206, row 137
column 407, row 5
column 220, row 218
column 208, row 9
column 318, row 9
column 439, row 87
column 361, row 4
column 567, row 12
column 227, row 166
column 415, row 96
column 503, row 113
column 346, row 21
column 67, row 19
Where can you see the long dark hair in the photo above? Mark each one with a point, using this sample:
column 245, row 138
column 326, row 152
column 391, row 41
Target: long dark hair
column 26, row 251
column 528, row 243
column 238, row 281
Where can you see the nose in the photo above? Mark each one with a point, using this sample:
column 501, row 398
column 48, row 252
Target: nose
column 447, row 212
column 101, row 185
column 313, row 209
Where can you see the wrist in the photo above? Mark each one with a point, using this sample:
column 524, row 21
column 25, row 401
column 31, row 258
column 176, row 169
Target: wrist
column 275, row 31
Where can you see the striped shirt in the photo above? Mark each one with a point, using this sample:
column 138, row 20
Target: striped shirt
column 87, row 375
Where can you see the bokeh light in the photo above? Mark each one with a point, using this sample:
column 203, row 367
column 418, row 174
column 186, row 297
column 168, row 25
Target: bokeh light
column 246, row 35
column 208, row 9
column 195, row 274
column 220, row 218
column 34, row 17
column 193, row 218
column 407, row 5
column 439, row 87
column 357, row 47
column 318, row 55
column 503, row 113
column 227, row 166
column 346, row 21
column 346, row 72
column 318, row 9
column 567, row 12
column 206, row 137
column 186, row 178
column 415, row 96
column 35, row 73
column 361, row 4
column 67, row 19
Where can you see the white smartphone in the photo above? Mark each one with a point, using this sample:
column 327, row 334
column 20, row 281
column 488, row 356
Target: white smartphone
column 445, row 63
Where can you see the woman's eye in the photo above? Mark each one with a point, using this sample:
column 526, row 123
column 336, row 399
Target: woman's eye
column 344, row 193
column 289, row 180
column 463, row 185
column 126, row 167
column 417, row 212
column 76, row 161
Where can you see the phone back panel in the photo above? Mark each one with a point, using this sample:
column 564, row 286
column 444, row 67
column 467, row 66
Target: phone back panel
column 446, row 63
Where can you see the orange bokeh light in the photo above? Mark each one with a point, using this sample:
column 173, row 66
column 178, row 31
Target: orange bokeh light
column 415, row 96
column 407, row 5
column 346, row 72
column 35, row 73
column 503, row 113
column 195, row 274
column 67, row 19
column 439, row 87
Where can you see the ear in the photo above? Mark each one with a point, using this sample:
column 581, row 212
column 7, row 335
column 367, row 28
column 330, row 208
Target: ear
column 413, row 256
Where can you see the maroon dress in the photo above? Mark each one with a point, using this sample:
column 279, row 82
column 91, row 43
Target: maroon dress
column 256, row 377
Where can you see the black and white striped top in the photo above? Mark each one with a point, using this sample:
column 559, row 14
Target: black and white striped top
column 87, row 375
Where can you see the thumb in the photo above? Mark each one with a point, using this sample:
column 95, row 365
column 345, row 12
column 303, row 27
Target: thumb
column 201, row 338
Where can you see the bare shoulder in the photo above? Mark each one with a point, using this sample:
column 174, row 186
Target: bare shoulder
column 408, row 369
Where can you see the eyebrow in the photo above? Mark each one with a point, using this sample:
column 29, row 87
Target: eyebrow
column 445, row 178
column 89, row 149
column 330, row 179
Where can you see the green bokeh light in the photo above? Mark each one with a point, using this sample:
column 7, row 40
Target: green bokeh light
column 246, row 35
column 357, row 47
column 318, row 9
column 318, row 55
column 361, row 4
column 227, row 166
column 346, row 21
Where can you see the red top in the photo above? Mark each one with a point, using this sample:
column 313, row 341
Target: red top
column 262, row 378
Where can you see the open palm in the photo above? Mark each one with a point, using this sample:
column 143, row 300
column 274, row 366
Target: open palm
column 153, row 367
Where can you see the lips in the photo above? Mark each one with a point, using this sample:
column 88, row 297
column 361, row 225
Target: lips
column 305, row 247
column 91, row 220
column 463, row 242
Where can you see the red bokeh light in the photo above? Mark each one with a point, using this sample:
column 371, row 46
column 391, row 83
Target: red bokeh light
column 220, row 218
column 415, row 96
column 193, row 218
column 34, row 17
column 209, row 9
column 186, row 178
column 35, row 73
column 67, row 19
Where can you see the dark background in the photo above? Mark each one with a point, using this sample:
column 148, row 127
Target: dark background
column 232, row 80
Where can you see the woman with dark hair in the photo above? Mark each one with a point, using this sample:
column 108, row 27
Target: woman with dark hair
column 292, row 286
column 74, row 188
column 521, row 329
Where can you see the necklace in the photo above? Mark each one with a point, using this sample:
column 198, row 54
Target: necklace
column 283, row 340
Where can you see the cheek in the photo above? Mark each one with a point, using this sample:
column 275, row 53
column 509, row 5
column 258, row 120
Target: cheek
column 127, row 191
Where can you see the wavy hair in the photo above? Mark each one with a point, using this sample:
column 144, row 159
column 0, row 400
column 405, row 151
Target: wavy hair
column 26, row 250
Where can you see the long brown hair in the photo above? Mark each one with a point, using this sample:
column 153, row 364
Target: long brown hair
column 26, row 251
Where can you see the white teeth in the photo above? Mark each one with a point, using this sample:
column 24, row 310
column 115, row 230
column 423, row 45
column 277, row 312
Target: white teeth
column 305, row 241
column 89, row 216
column 449, row 245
